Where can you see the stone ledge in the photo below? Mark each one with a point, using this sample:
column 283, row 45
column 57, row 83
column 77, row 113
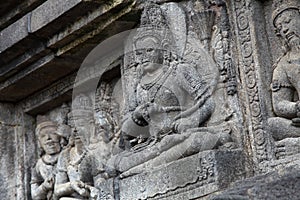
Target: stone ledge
column 35, row 77
column 41, row 23
column 39, row 48
column 16, row 12
column 20, row 30
column 188, row 178
column 50, row 97
column 54, row 15
column 78, row 43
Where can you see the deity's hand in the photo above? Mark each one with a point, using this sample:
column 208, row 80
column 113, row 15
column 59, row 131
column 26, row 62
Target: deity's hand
column 154, row 109
column 181, row 125
column 48, row 184
column 148, row 111
column 93, row 192
column 80, row 188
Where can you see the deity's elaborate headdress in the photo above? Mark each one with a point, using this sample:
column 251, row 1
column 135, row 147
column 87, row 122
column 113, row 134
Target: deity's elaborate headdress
column 82, row 106
column 281, row 5
column 154, row 24
column 43, row 123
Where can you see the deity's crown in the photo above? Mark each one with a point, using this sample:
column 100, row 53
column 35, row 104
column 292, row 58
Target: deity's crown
column 153, row 24
column 64, row 130
column 153, row 17
column 42, row 123
column 281, row 5
column 81, row 106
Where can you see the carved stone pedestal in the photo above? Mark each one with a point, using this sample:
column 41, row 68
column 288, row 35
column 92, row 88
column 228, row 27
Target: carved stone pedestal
column 188, row 178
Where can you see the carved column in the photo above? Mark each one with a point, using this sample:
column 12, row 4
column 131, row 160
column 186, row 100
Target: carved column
column 16, row 152
column 252, row 58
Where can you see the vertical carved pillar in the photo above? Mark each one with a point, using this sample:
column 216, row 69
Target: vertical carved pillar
column 17, row 150
column 25, row 152
column 251, row 67
column 8, row 152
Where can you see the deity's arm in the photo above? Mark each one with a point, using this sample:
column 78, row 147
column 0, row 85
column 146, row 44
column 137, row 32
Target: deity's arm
column 98, row 169
column 62, row 183
column 283, row 95
column 191, row 81
column 38, row 190
column 131, row 126
column 63, row 189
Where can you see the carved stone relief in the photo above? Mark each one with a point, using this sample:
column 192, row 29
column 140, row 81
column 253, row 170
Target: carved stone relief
column 173, row 84
column 51, row 140
column 172, row 108
column 247, row 64
column 78, row 168
column 285, row 82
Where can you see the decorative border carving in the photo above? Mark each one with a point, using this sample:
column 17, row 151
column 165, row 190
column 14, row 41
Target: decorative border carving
column 248, row 70
column 60, row 87
column 197, row 176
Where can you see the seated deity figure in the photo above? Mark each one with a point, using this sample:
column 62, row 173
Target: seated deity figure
column 79, row 167
column 173, row 104
column 285, row 86
column 43, row 174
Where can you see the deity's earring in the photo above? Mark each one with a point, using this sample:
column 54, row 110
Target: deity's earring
column 63, row 143
column 140, row 71
column 277, row 32
column 166, row 58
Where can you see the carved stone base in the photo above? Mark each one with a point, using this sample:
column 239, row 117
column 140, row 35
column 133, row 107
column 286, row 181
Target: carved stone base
column 188, row 178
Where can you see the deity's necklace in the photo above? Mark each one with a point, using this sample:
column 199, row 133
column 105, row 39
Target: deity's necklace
column 53, row 162
column 158, row 83
column 149, row 85
column 76, row 163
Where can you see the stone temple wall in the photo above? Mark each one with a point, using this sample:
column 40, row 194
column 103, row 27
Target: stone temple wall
column 158, row 99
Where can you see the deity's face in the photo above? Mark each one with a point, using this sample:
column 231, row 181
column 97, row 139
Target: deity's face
column 83, row 126
column 49, row 140
column 288, row 25
column 148, row 54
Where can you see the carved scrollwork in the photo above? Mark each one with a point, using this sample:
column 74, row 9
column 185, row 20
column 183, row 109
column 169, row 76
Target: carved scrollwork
column 247, row 58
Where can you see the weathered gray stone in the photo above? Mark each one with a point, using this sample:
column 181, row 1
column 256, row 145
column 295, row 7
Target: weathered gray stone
column 20, row 30
column 43, row 100
column 8, row 152
column 188, row 178
column 16, row 11
column 49, row 11
column 281, row 184
column 285, row 127
column 82, row 43
column 190, row 122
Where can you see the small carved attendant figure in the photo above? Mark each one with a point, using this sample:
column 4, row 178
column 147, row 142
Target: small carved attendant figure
column 286, row 80
column 78, row 167
column 43, row 174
